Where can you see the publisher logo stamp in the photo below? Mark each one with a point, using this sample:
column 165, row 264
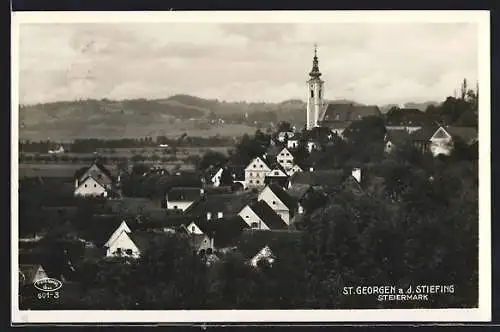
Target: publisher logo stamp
column 48, row 288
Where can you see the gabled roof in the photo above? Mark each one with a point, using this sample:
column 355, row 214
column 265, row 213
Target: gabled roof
column 228, row 230
column 258, row 158
column 228, row 204
column 423, row 134
column 144, row 239
column 274, row 150
column 267, row 215
column 298, row 190
column 252, row 241
column 408, row 117
column 81, row 171
column 348, row 112
column 396, row 136
column 288, row 200
column 187, row 194
column 319, row 178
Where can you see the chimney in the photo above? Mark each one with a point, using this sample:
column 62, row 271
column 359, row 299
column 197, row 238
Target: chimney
column 311, row 169
column 356, row 173
column 202, row 191
column 209, row 215
column 219, row 215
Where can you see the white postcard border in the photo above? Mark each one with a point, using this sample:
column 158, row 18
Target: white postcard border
column 480, row 314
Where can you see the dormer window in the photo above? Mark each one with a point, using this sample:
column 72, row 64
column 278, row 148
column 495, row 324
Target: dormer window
column 255, row 225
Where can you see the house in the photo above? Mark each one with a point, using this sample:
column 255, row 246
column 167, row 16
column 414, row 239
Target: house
column 394, row 138
column 407, row 119
column 255, row 173
column 323, row 178
column 30, row 273
column 264, row 254
column 252, row 244
column 441, row 142
column 293, row 143
column 277, row 175
column 259, row 215
column 295, row 168
column 338, row 116
column 300, row 192
column 95, row 180
column 237, row 174
column 122, row 228
column 285, row 158
column 215, row 177
column 283, row 136
column 282, row 203
column 219, row 206
column 133, row 244
column 201, row 235
column 181, row 198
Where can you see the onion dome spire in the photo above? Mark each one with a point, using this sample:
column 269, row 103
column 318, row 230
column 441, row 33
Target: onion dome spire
column 315, row 73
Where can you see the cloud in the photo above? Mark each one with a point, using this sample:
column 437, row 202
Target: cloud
column 370, row 63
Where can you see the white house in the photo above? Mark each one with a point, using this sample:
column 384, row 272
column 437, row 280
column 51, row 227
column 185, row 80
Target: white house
column 282, row 136
column 255, row 173
column 215, row 179
column 295, row 168
column 279, row 201
column 123, row 227
column 285, row 159
column 123, row 246
column 181, row 198
column 252, row 219
column 311, row 145
column 442, row 141
column 292, row 143
column 264, row 254
column 259, row 215
column 91, row 187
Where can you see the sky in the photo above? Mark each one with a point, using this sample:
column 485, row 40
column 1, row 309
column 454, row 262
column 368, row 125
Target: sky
column 371, row 63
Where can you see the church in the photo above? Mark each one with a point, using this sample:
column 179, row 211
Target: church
column 335, row 116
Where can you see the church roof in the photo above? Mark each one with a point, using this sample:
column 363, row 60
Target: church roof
column 339, row 113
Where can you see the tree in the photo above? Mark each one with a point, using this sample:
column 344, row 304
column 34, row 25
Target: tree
column 284, row 126
column 212, row 159
column 226, row 178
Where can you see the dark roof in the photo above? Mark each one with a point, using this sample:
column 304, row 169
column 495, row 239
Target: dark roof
column 228, row 204
column 79, row 173
column 183, row 194
column 252, row 241
column 134, row 206
column 144, row 239
column 408, row 117
column 273, row 150
column 397, row 135
column 218, row 190
column 468, row 134
column 228, row 230
column 319, row 134
column 348, row 112
column 238, row 172
column 352, row 185
column 298, row 190
column 288, row 200
column 319, row 178
column 424, row 133
column 267, row 214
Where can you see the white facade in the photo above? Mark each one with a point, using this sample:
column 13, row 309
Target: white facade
column 441, row 142
column 95, row 172
column 122, row 228
column 285, row 159
column 194, row 229
column 311, row 146
column 356, row 173
column 252, row 219
column 123, row 246
column 314, row 102
column 292, row 143
column 255, row 173
column 264, row 253
column 215, row 180
column 90, row 187
column 285, row 134
column 296, row 168
column 268, row 196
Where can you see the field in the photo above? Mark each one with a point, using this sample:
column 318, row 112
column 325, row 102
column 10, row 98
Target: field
column 68, row 170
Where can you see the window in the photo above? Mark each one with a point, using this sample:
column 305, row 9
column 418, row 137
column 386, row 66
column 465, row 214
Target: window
column 312, row 94
column 274, row 202
column 95, row 186
column 254, row 165
column 251, row 181
column 255, row 225
column 319, row 94
column 260, row 166
column 337, row 116
column 192, row 229
column 289, row 161
column 257, row 181
column 128, row 252
column 247, row 217
column 175, row 207
column 280, row 160
column 359, row 116
column 85, row 186
column 276, row 173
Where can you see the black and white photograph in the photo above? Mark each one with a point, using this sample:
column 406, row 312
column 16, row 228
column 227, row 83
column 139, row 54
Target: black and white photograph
column 251, row 166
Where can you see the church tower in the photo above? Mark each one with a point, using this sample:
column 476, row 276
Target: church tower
column 314, row 94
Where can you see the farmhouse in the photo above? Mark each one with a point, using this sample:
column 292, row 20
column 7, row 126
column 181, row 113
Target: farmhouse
column 279, row 201
column 255, row 173
column 95, row 180
column 181, row 198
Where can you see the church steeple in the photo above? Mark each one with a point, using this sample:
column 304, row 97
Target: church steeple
column 315, row 73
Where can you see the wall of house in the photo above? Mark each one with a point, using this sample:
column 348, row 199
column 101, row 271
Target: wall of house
column 268, row 196
column 292, row 144
column 285, row 159
column 40, row 274
column 124, row 242
column 255, row 174
column 178, row 205
column 90, row 188
column 216, row 178
column 441, row 146
column 264, row 253
column 251, row 217
column 122, row 228
column 194, row 229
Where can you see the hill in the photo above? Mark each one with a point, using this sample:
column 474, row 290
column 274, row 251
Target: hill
column 68, row 120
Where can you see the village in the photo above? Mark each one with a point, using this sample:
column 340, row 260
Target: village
column 255, row 204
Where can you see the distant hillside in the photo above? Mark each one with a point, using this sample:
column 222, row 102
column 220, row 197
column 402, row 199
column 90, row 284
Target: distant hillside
column 420, row 106
column 141, row 117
